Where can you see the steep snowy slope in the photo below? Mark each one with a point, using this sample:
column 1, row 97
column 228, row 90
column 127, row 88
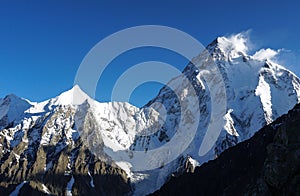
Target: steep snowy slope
column 266, row 164
column 71, row 143
column 257, row 92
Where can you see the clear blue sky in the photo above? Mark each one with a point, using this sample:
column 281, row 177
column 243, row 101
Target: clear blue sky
column 42, row 43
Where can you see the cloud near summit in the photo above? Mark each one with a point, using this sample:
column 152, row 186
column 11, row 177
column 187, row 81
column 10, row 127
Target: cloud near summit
column 243, row 43
column 264, row 54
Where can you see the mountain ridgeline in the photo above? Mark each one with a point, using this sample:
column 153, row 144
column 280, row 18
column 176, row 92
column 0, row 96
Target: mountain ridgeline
column 60, row 146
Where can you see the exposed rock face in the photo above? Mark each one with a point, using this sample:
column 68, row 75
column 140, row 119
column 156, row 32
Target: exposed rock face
column 48, row 153
column 266, row 164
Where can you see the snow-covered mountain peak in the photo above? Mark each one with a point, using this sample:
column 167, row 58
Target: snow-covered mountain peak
column 11, row 108
column 74, row 96
column 230, row 47
column 13, row 101
column 12, row 98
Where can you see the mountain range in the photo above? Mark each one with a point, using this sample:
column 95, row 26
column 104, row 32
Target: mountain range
column 67, row 145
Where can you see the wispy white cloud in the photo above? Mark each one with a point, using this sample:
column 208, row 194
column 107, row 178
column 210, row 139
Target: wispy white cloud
column 241, row 41
column 264, row 54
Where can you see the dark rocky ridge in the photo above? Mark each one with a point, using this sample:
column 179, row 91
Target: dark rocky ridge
column 266, row 164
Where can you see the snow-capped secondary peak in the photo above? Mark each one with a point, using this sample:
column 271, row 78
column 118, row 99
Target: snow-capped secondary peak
column 74, row 96
column 13, row 99
column 12, row 107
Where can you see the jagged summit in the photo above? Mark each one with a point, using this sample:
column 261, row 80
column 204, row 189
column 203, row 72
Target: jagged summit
column 233, row 47
column 229, row 47
column 239, row 45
